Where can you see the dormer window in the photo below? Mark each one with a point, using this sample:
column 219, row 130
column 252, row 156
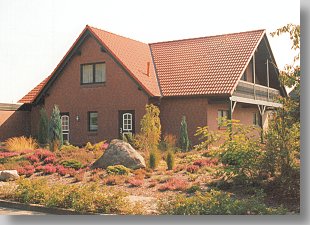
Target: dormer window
column 93, row 73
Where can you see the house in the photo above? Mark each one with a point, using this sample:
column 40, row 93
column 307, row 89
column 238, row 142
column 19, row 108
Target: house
column 104, row 81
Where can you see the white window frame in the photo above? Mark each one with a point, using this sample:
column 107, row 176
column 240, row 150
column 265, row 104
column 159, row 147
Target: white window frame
column 65, row 118
column 127, row 122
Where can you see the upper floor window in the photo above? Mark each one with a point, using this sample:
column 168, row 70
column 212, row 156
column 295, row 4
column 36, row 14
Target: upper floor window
column 93, row 73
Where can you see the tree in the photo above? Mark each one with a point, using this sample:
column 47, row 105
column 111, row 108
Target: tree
column 43, row 128
column 55, row 130
column 184, row 140
column 150, row 132
column 291, row 74
column 283, row 135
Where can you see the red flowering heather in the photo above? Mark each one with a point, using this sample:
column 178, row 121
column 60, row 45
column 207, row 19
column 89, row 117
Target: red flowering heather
column 26, row 170
column 134, row 182
column 61, row 170
column 33, row 158
column 8, row 154
column 39, row 168
column 50, row 160
column 49, row 169
column 72, row 172
column 105, row 146
column 174, row 184
column 43, row 153
column 206, row 162
column 26, row 151
column 192, row 168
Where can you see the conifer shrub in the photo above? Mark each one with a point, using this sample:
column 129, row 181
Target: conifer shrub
column 183, row 139
column 43, row 128
column 170, row 160
column 153, row 159
column 72, row 164
column 55, row 130
column 118, row 170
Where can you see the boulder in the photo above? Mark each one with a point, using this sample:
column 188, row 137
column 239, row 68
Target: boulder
column 7, row 175
column 120, row 153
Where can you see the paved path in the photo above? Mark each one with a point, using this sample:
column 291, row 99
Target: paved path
column 10, row 211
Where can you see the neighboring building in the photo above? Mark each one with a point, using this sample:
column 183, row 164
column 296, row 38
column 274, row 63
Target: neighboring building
column 105, row 80
column 14, row 120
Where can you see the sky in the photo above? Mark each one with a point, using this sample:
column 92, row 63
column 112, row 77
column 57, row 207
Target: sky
column 36, row 34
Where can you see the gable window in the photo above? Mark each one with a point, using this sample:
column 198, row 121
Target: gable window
column 93, row 73
column 244, row 77
column 221, row 115
column 256, row 119
column 92, row 121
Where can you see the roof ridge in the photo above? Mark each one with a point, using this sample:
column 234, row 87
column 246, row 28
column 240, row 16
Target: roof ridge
column 92, row 27
column 217, row 35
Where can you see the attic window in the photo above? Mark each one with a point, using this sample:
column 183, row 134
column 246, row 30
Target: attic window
column 93, row 73
column 244, row 77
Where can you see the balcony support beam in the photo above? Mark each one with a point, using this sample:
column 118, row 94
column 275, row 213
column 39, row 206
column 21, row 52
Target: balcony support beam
column 255, row 102
column 254, row 76
column 268, row 79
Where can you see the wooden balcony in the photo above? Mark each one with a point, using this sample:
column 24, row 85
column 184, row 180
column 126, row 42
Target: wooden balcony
column 255, row 91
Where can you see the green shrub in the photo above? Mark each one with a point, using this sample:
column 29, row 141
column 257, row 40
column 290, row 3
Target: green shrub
column 208, row 138
column 95, row 147
column 72, row 164
column 154, row 159
column 43, row 128
column 184, row 140
column 69, row 147
column 242, row 152
column 217, row 203
column 118, row 169
column 170, row 160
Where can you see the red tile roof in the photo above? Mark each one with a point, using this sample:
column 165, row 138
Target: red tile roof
column 204, row 66
column 200, row 66
column 134, row 56
column 30, row 97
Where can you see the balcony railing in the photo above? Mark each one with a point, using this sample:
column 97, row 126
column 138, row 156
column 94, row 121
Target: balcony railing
column 255, row 91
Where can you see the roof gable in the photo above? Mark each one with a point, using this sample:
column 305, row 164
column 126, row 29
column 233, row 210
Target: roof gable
column 133, row 56
column 204, row 66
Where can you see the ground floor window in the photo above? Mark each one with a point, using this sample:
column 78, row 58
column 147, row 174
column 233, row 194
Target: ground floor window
column 65, row 125
column 221, row 114
column 93, row 121
column 256, row 119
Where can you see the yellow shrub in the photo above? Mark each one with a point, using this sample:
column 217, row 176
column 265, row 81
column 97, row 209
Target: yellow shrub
column 21, row 143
